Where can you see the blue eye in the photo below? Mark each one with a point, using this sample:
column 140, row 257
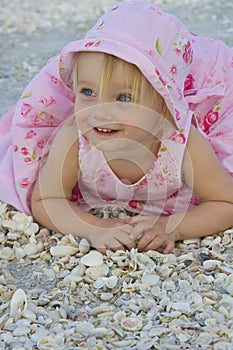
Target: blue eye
column 87, row 92
column 124, row 98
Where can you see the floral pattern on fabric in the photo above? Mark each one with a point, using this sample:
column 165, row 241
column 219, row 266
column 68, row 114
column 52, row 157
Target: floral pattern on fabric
column 193, row 74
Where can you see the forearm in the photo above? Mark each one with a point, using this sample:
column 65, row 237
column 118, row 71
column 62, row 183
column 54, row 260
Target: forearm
column 61, row 215
column 205, row 219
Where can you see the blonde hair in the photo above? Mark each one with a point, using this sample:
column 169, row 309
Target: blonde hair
column 139, row 83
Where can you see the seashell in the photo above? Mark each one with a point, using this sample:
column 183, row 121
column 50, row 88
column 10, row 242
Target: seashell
column 28, row 314
column 48, row 343
column 7, row 224
column 31, row 229
column 99, row 332
column 144, row 262
column 18, row 251
column 52, row 241
column 131, row 324
column 72, row 278
column 210, row 265
column 124, row 344
column 69, row 240
column 21, row 217
column 183, row 307
column 119, row 315
column 95, row 272
column 31, row 249
column 79, row 270
column 229, row 284
column 63, row 250
column 43, row 235
column 100, row 282
column 191, row 241
column 6, row 253
column 18, row 303
column 84, row 246
column 111, row 282
column 3, row 208
column 98, row 310
column 226, row 269
column 106, row 296
column 94, row 258
column 150, row 279
column 146, row 344
column 21, row 330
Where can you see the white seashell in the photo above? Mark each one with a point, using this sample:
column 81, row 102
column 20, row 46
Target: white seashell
column 94, row 258
column 21, row 330
column 111, row 282
column 131, row 324
column 18, row 251
column 29, row 315
column 3, row 208
column 106, row 296
column 150, row 279
column 100, row 282
column 72, row 278
column 102, row 309
column 226, row 269
column 22, row 218
column 119, row 315
column 228, row 284
column 230, row 230
column 31, row 249
column 69, row 240
column 84, row 246
column 6, row 253
column 192, row 241
column 48, row 343
column 99, row 332
column 144, row 262
column 124, row 344
column 63, row 250
column 182, row 306
column 12, row 225
column 52, row 241
column 31, row 229
column 95, row 272
column 146, row 344
column 79, row 270
column 210, row 265
column 18, row 303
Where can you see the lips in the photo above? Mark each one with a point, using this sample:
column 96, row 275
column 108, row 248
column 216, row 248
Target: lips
column 105, row 131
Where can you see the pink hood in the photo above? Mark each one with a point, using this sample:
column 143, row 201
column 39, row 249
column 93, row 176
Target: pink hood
column 142, row 34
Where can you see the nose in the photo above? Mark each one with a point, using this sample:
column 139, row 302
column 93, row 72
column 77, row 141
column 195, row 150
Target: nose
column 103, row 112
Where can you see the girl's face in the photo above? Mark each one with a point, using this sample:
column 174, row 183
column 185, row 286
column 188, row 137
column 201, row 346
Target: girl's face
column 112, row 121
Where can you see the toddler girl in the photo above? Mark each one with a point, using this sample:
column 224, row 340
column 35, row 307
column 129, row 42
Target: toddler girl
column 137, row 115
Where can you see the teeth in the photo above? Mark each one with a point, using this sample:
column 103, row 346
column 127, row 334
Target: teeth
column 104, row 130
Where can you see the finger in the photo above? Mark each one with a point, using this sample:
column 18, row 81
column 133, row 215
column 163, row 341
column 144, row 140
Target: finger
column 137, row 232
column 124, row 239
column 169, row 247
column 145, row 240
column 150, row 241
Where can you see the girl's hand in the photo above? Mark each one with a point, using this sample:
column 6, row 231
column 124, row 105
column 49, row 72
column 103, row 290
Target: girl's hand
column 112, row 234
column 151, row 234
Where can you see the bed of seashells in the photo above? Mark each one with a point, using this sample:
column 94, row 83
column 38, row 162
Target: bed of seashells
column 57, row 293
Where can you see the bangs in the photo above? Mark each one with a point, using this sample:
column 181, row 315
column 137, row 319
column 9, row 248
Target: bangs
column 137, row 83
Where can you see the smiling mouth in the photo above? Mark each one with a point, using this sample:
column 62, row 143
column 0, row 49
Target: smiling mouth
column 105, row 131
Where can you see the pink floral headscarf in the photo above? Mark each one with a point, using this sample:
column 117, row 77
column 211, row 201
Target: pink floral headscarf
column 156, row 42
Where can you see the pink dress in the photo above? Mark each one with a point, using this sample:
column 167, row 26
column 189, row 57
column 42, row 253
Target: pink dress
column 193, row 74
